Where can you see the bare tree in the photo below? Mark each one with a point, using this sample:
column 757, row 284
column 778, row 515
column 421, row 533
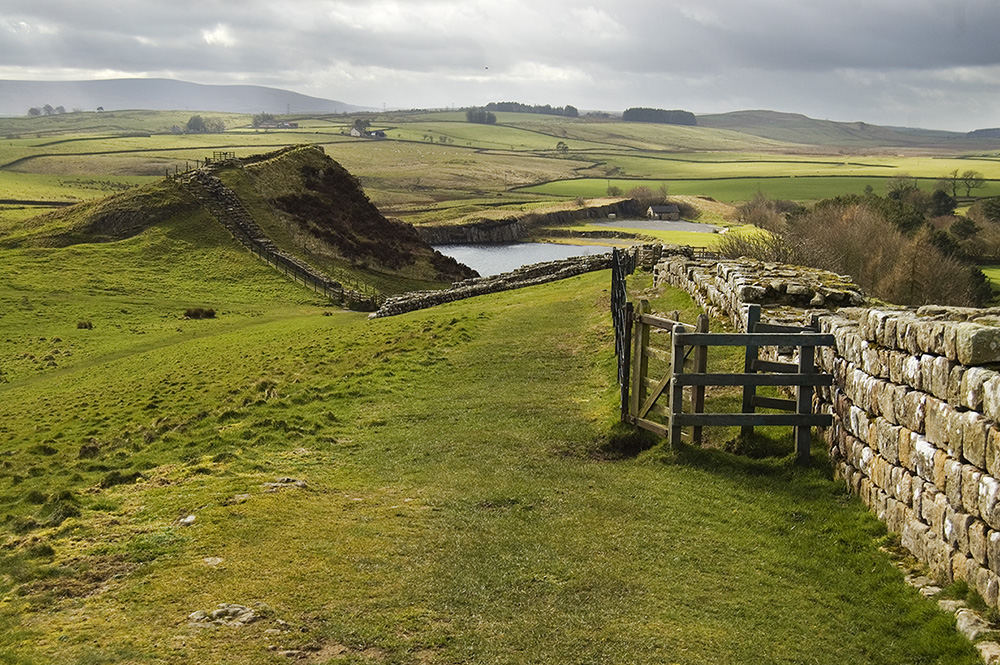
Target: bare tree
column 972, row 180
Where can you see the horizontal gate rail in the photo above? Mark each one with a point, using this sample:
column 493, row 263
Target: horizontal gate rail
column 802, row 376
column 754, row 379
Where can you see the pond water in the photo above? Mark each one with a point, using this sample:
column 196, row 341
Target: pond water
column 657, row 225
column 495, row 259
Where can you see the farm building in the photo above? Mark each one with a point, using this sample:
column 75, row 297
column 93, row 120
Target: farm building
column 668, row 211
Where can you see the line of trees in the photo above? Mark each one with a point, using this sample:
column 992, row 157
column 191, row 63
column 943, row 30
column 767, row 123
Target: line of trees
column 199, row 125
column 546, row 109
column 481, row 116
column 48, row 109
column 662, row 116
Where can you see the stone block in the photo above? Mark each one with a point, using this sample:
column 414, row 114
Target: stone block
column 940, row 470
column 923, row 458
column 953, row 482
column 936, row 422
column 993, row 451
column 960, row 524
column 970, row 488
column 987, row 586
column 938, row 557
column 977, row 344
column 993, row 550
column 950, row 342
column 977, row 541
column 989, row 501
column 912, row 375
column 991, row 399
column 904, row 488
column 974, row 438
column 955, row 384
column 973, row 380
column 907, row 439
column 887, row 439
column 914, row 411
column 917, row 489
column 960, row 564
column 912, row 537
column 940, row 376
column 937, row 513
column 896, row 360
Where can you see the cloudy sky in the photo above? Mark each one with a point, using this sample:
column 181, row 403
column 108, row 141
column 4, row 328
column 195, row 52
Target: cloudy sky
column 927, row 63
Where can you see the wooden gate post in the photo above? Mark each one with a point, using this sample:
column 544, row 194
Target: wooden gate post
column 624, row 360
column 676, row 387
column 803, row 404
column 700, row 367
column 753, row 317
column 640, row 362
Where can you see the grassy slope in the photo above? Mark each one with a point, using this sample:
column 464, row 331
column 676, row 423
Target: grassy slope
column 458, row 508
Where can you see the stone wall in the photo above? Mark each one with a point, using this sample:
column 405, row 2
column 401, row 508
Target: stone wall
column 512, row 229
column 530, row 275
column 915, row 399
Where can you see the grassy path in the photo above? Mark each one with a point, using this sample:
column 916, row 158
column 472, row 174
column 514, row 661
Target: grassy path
column 461, row 505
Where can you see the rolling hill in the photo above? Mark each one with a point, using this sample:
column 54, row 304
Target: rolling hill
column 16, row 97
column 798, row 128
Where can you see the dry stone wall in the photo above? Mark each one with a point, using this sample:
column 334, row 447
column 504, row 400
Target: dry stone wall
column 915, row 400
column 646, row 257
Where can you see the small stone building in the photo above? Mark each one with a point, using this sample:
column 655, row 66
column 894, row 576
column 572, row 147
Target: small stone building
column 668, row 211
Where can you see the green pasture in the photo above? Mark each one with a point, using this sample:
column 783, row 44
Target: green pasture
column 733, row 189
column 67, row 187
column 496, row 137
column 466, row 495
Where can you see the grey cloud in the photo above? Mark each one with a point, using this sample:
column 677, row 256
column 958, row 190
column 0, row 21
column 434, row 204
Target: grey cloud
column 875, row 60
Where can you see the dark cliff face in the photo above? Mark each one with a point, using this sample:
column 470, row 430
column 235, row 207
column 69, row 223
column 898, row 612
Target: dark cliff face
column 332, row 207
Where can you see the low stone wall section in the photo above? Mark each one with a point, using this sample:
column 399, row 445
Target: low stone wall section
column 530, row 275
column 915, row 400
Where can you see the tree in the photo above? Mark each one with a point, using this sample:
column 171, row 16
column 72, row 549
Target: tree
column 195, row 125
column 571, row 112
column 481, row 116
column 897, row 187
column 261, row 119
column 562, row 147
column 34, row 111
column 942, row 203
column 214, row 126
column 361, row 124
column 60, row 110
column 48, row 110
column 972, row 180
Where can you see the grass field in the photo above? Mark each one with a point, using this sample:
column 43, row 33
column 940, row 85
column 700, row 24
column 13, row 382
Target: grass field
column 464, row 497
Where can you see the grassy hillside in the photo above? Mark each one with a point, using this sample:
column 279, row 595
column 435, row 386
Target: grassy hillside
column 457, row 499
column 306, row 203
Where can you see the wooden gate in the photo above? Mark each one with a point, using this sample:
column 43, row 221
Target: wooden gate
column 646, row 391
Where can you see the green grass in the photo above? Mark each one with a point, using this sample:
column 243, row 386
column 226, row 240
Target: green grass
column 731, row 189
column 463, row 502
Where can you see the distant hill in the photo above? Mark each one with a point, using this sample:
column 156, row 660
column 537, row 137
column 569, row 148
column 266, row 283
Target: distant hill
column 991, row 133
column 798, row 128
column 16, row 97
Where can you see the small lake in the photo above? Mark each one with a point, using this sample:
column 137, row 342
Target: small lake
column 495, row 259
column 657, row 225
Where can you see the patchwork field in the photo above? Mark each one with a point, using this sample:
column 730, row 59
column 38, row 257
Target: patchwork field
column 435, row 165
